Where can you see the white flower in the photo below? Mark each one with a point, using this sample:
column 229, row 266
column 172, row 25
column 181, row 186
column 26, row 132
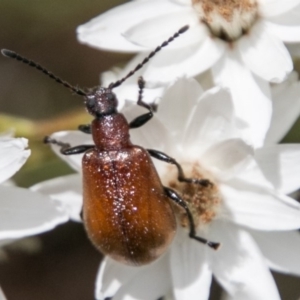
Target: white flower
column 22, row 212
column 129, row 90
column 247, row 212
column 241, row 41
column 286, row 108
column 2, row 297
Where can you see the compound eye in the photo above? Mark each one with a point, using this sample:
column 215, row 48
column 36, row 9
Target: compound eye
column 90, row 103
column 110, row 96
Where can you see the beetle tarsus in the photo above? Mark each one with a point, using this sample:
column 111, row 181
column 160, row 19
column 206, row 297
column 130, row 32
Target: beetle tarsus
column 66, row 148
column 177, row 199
column 215, row 246
column 203, row 182
column 181, row 177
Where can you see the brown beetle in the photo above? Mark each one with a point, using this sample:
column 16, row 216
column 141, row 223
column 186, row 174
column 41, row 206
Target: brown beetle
column 126, row 210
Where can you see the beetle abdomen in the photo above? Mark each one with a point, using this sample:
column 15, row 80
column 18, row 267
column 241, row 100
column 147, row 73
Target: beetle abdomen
column 126, row 212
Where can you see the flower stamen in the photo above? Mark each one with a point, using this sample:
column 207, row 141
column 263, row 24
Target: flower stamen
column 203, row 201
column 227, row 19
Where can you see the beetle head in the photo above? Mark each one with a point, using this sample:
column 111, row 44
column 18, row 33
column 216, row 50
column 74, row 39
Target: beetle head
column 101, row 102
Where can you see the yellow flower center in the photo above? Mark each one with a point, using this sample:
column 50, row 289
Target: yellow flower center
column 203, row 202
column 227, row 19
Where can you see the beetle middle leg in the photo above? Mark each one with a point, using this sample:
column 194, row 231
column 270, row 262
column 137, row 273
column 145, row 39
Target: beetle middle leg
column 85, row 128
column 192, row 234
column 141, row 120
column 66, row 148
column 181, row 177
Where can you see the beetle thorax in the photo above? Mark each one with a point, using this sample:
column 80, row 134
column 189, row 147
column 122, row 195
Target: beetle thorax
column 111, row 132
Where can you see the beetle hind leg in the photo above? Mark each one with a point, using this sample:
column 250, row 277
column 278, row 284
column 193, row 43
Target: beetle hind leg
column 192, row 234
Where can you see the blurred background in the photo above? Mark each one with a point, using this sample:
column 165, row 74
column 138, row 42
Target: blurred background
column 60, row 264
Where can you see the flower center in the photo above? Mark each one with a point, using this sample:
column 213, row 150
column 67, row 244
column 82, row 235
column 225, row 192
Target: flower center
column 227, row 19
column 203, row 201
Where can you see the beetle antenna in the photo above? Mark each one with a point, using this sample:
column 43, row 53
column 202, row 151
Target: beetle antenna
column 146, row 59
column 11, row 54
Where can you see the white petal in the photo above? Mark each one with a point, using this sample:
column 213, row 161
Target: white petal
column 250, row 95
column 105, row 31
column 128, row 91
column 265, row 55
column 147, row 136
column 177, row 104
column 257, row 208
column 2, row 296
column 286, row 107
column 281, row 166
column 13, row 155
column 171, row 64
column 67, row 190
column 74, row 138
column 111, row 276
column 281, row 250
column 117, row 73
column 128, row 283
column 26, row 213
column 228, row 158
column 239, row 266
column 288, row 34
column 254, row 175
column 182, row 2
column 151, row 283
column 211, row 122
column 289, row 18
column 152, row 32
column 191, row 275
column 269, row 8
column 283, row 87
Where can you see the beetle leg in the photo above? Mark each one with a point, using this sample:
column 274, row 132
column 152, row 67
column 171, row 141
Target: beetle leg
column 177, row 199
column 141, row 120
column 181, row 177
column 66, row 148
column 85, row 128
column 152, row 106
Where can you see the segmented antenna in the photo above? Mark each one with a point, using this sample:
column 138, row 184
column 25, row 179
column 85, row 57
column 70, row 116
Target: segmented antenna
column 78, row 91
column 31, row 63
column 146, row 59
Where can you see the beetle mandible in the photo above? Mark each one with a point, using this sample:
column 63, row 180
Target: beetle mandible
column 127, row 211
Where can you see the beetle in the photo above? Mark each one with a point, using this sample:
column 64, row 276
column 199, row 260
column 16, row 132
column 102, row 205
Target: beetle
column 127, row 211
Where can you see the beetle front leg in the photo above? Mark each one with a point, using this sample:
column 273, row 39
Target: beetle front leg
column 152, row 106
column 192, row 234
column 85, row 128
column 66, row 148
column 181, row 177
column 143, row 119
